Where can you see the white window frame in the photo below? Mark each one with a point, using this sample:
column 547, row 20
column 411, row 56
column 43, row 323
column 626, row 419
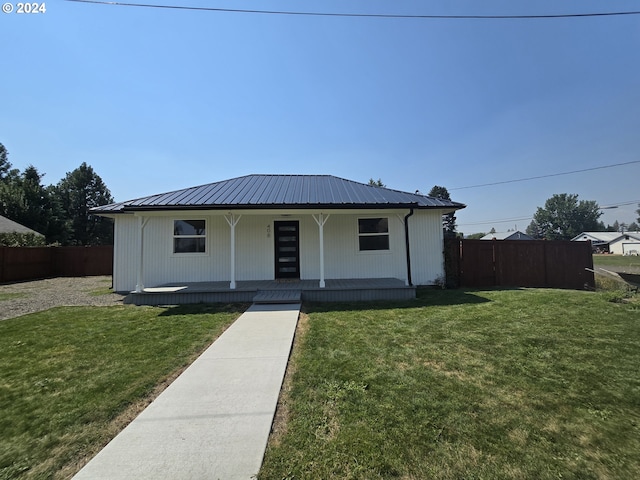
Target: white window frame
column 205, row 236
column 358, row 235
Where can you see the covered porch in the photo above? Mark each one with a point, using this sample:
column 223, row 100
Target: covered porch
column 274, row 291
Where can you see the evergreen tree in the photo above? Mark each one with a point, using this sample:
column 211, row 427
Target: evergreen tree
column 448, row 219
column 81, row 190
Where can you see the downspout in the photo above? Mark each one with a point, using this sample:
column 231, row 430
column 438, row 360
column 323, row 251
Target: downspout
column 407, row 246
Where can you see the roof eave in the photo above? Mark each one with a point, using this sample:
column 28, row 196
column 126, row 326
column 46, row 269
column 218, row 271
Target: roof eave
column 367, row 206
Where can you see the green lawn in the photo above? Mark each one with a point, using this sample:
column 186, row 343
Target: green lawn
column 11, row 296
column 497, row 384
column 623, row 262
column 71, row 377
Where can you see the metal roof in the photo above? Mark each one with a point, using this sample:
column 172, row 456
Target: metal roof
column 281, row 191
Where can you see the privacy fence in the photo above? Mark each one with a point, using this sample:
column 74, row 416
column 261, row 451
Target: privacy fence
column 27, row 263
column 519, row 263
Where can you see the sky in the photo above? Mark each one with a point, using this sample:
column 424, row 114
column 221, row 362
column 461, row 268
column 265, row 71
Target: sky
column 157, row 100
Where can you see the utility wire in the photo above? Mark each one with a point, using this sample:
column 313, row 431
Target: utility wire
column 545, row 176
column 359, row 15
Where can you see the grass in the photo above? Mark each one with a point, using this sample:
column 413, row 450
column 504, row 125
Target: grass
column 72, row 377
column 11, row 296
column 620, row 261
column 497, row 384
column 105, row 288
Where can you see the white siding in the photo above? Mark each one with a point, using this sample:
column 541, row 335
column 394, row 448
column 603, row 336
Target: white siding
column 342, row 258
column 427, row 245
column 255, row 249
column 125, row 252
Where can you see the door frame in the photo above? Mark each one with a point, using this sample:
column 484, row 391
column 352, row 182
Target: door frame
column 276, row 236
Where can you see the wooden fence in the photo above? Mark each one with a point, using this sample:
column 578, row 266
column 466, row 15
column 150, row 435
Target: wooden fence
column 519, row 263
column 28, row 263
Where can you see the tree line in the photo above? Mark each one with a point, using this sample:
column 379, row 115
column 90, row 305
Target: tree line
column 563, row 217
column 59, row 212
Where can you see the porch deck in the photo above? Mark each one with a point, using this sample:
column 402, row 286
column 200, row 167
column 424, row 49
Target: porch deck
column 274, row 291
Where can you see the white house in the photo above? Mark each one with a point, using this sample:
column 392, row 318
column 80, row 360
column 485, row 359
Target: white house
column 315, row 232
column 611, row 242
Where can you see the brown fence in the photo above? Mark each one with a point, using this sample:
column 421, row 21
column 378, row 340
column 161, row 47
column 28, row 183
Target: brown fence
column 519, row 263
column 27, row 263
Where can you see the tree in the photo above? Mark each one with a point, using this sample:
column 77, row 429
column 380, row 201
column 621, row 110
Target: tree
column 81, row 190
column 376, row 183
column 448, row 219
column 5, row 166
column 633, row 227
column 563, row 217
column 475, row 236
column 638, row 212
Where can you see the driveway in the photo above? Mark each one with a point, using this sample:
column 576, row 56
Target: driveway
column 27, row 297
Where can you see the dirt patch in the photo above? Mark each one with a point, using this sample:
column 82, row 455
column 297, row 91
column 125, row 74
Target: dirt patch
column 38, row 295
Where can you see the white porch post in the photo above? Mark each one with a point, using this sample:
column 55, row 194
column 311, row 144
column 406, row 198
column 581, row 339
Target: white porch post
column 232, row 220
column 142, row 221
column 321, row 220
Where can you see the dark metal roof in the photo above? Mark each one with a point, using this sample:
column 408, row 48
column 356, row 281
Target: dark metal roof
column 280, row 191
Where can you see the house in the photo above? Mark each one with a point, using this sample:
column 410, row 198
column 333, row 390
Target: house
column 515, row 235
column 316, row 233
column 611, row 242
column 9, row 226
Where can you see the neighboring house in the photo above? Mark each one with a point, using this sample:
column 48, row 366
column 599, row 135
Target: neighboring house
column 515, row 235
column 9, row 226
column 611, row 242
column 279, row 228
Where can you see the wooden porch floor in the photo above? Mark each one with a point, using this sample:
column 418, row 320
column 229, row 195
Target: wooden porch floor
column 336, row 290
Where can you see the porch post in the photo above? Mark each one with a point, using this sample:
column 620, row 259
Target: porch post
column 142, row 221
column 232, row 220
column 321, row 220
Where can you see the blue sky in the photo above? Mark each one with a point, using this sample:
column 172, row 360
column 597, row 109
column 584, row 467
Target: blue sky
column 157, row 100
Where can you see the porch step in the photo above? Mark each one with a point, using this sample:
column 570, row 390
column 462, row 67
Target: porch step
column 278, row 296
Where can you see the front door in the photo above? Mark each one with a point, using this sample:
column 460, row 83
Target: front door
column 287, row 243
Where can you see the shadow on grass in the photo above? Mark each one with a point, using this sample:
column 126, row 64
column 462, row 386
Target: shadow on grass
column 425, row 297
column 203, row 308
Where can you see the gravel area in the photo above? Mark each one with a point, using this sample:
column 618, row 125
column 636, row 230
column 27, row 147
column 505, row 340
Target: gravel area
column 27, row 297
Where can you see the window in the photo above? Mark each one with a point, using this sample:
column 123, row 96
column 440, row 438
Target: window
column 189, row 236
column 373, row 234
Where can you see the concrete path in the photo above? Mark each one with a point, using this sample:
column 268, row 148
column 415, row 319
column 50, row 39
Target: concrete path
column 214, row 420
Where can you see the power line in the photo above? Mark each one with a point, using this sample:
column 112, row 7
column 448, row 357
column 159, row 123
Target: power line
column 529, row 217
column 489, row 222
column 360, row 15
column 545, row 176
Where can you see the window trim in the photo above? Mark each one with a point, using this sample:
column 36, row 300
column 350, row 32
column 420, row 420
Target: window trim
column 205, row 236
column 358, row 235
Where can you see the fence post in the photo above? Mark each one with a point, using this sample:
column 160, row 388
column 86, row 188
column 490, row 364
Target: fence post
column 2, row 256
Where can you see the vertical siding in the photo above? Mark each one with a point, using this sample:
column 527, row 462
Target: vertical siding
column 255, row 249
column 342, row 258
column 162, row 266
column 125, row 251
column 427, row 244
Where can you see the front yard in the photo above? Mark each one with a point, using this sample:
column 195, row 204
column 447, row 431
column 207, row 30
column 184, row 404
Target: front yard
column 495, row 384
column 498, row 384
column 72, row 377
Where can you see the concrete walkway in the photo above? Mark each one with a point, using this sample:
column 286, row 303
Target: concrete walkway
column 214, row 420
